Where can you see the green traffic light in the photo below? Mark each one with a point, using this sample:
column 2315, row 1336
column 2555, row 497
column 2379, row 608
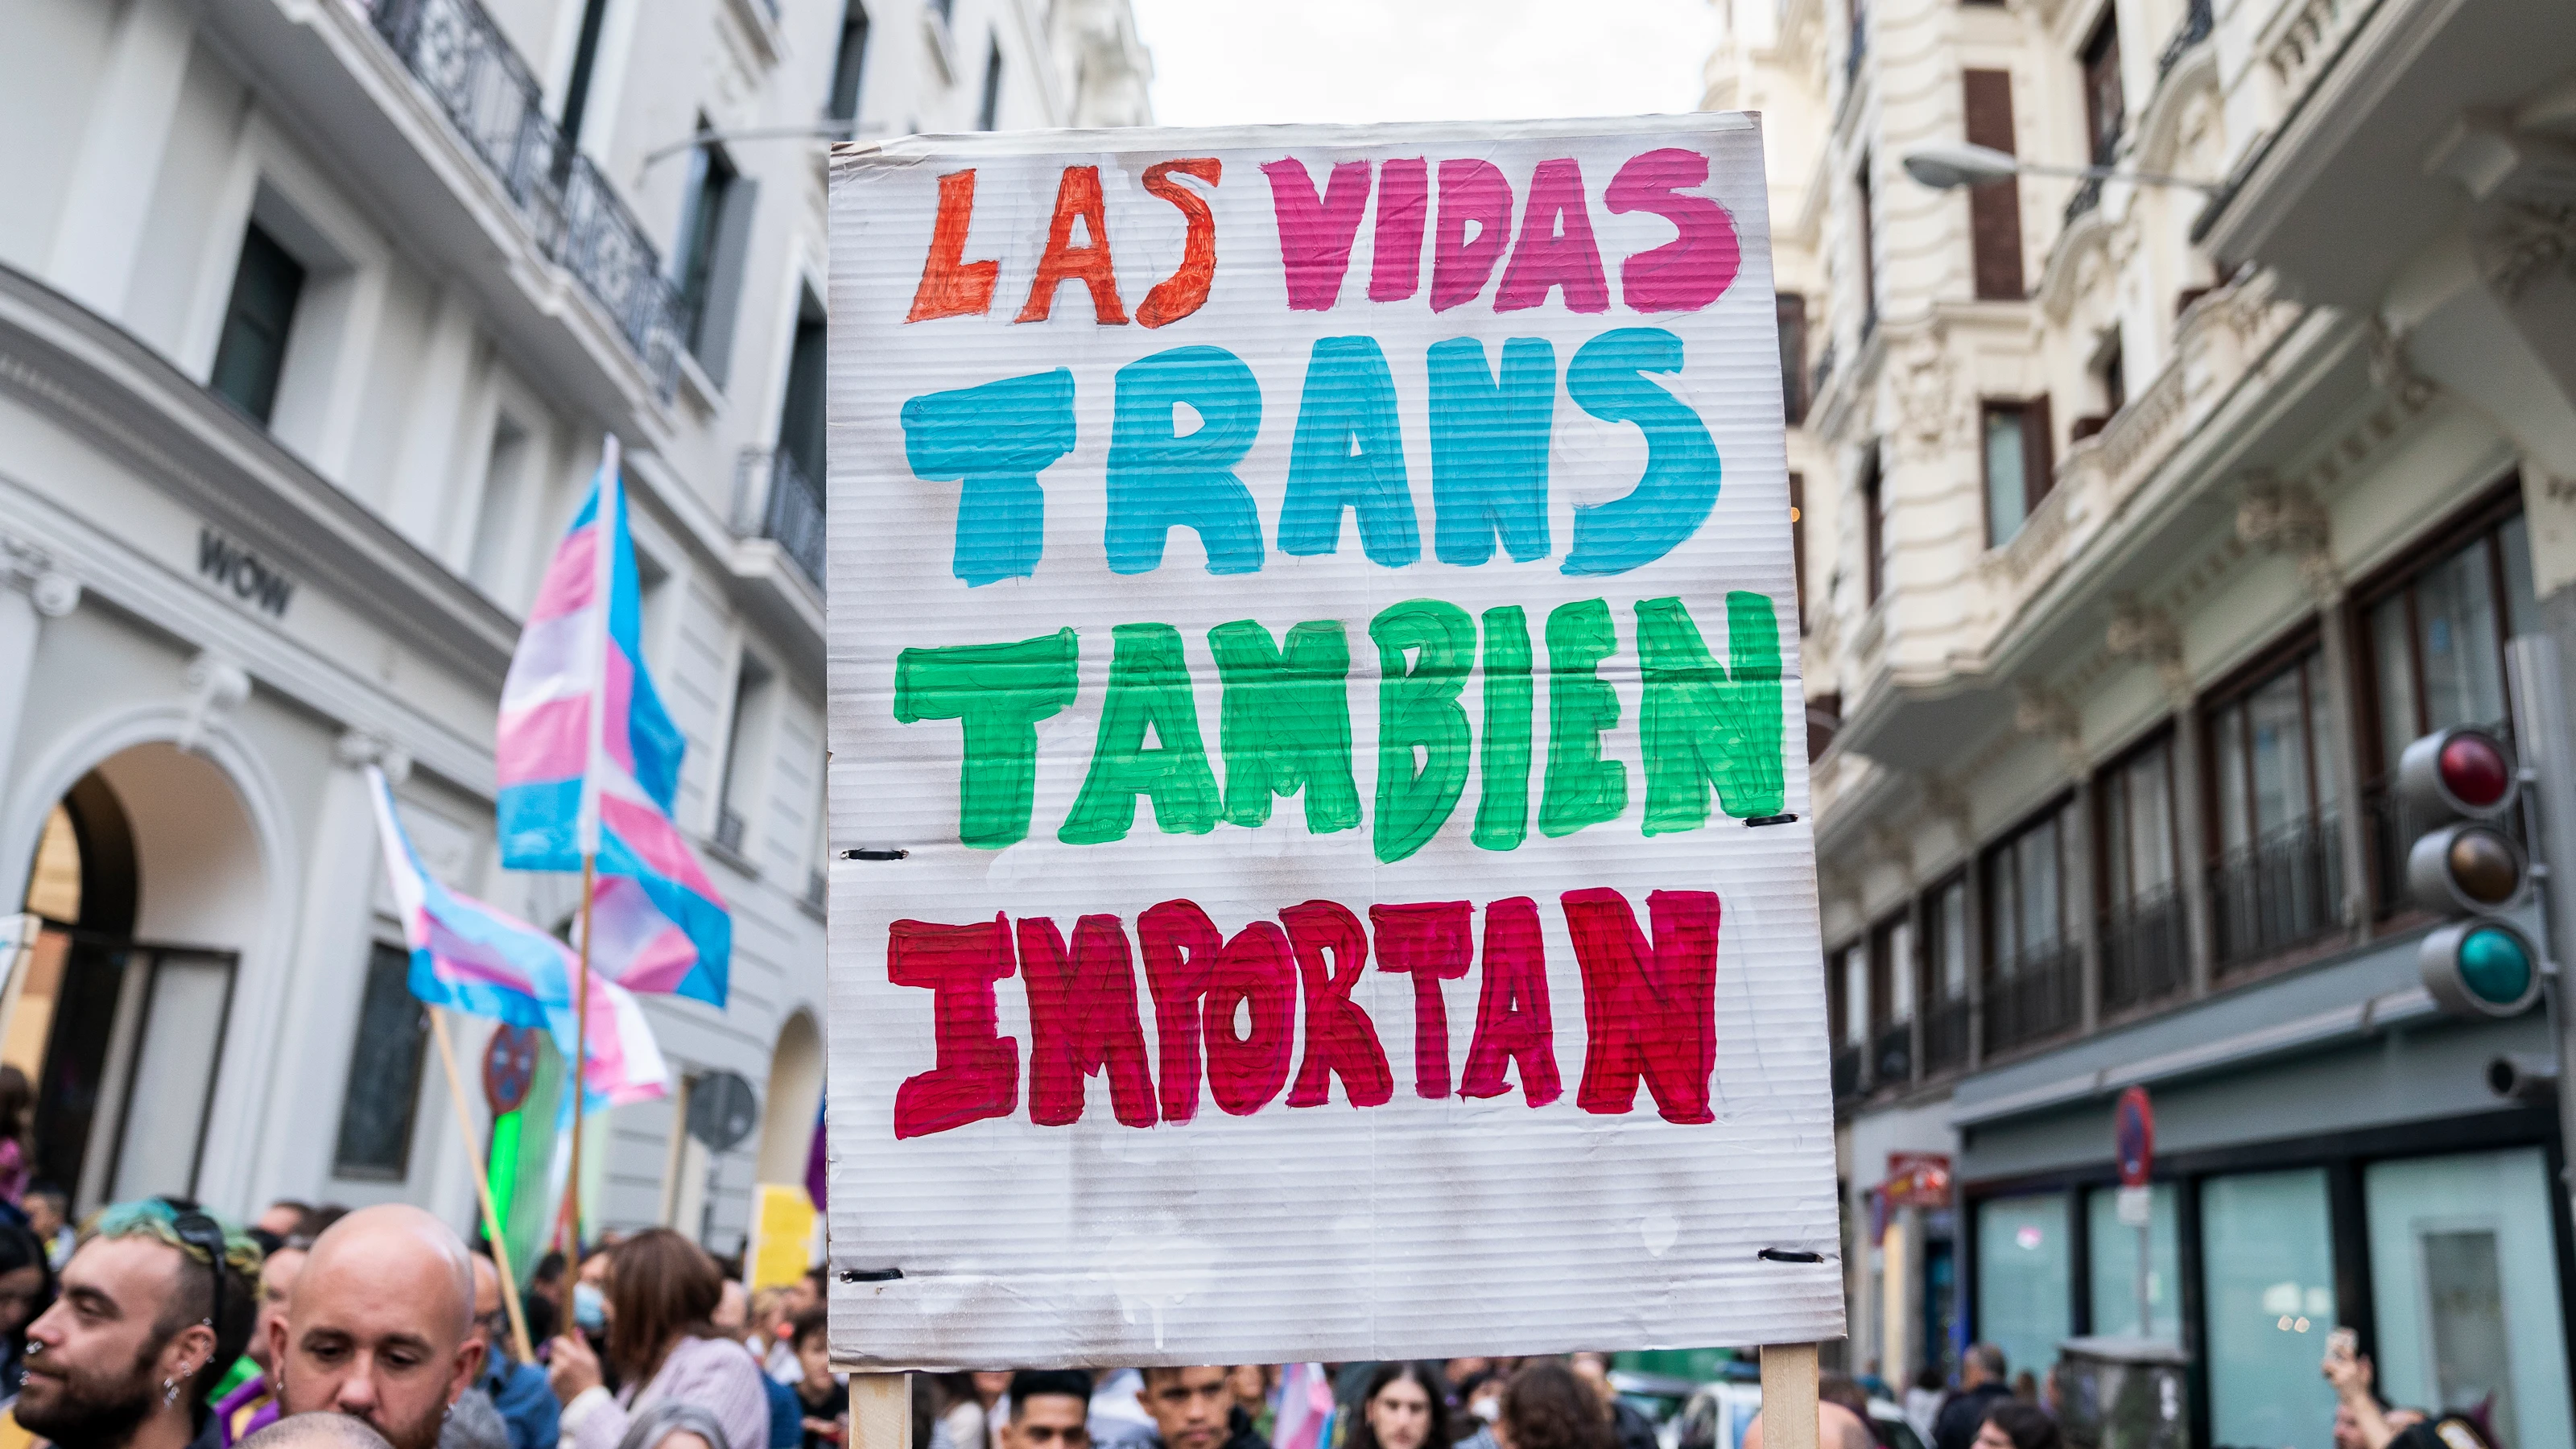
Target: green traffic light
column 2494, row 966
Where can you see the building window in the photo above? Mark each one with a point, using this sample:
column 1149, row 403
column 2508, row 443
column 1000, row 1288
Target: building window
column 715, row 239
column 384, row 1072
column 1792, row 310
column 497, row 526
column 2112, row 1248
column 2146, row 950
column 2105, row 108
column 2033, row 967
column 800, row 419
column 2437, row 637
column 843, row 103
column 1873, row 503
column 2267, row 1293
column 2113, row 374
column 1891, row 999
column 2025, row 1273
column 944, row 9
column 2017, row 464
column 991, row 107
column 1945, row 977
column 743, row 747
column 2278, row 880
column 1798, row 543
column 585, row 65
column 252, row 354
column 1994, row 211
column 1847, row 1014
column 1864, row 229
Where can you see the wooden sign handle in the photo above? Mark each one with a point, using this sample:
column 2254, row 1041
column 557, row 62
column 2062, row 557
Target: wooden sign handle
column 881, row 1409
column 1788, row 1396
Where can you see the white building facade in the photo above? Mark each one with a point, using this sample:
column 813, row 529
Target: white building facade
column 312, row 316
column 2143, row 527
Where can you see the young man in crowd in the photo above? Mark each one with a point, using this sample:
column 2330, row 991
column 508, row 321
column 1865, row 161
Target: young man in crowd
column 49, row 1210
column 1982, row 1385
column 1194, row 1408
column 518, row 1390
column 155, row 1305
column 252, row 1406
column 381, row 1325
column 1050, row 1409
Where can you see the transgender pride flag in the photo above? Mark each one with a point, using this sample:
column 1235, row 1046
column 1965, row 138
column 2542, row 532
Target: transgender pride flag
column 469, row 957
column 588, row 761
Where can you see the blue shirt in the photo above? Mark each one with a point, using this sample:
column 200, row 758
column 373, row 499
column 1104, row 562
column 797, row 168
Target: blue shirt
column 786, row 1415
column 525, row 1399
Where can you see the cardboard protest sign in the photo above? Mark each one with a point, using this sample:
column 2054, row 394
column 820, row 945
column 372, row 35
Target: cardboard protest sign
column 1313, row 608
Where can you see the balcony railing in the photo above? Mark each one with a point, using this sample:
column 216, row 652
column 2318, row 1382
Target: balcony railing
column 2195, row 27
column 1891, row 1057
column 2146, row 950
column 2277, row 893
column 2041, row 995
column 2088, row 195
column 461, row 58
column 773, row 499
column 1945, row 1036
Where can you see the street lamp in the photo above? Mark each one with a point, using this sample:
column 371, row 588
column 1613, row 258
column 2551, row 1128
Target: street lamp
column 1946, row 167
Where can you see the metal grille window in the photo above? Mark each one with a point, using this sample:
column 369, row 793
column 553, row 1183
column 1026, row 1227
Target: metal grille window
column 252, row 355
column 384, row 1072
column 2032, row 964
column 2146, row 952
column 2278, row 879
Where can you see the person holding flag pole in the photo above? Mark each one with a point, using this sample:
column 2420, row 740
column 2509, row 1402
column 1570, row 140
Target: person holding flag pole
column 588, row 762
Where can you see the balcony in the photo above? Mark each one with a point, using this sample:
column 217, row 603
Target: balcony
column 1891, row 1058
column 1945, row 1036
column 1846, row 1071
column 2277, row 893
column 459, row 56
column 2146, row 951
column 2195, row 28
column 773, row 499
column 2040, row 994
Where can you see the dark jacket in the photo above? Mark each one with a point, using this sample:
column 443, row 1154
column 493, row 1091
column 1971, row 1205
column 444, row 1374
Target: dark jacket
column 1956, row 1425
column 1634, row 1429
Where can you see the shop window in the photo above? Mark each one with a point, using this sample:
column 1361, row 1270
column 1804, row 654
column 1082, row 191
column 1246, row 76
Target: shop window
column 2112, row 1253
column 1946, row 1012
column 2146, row 952
column 2463, row 1275
column 1994, row 210
column 2024, row 1275
column 2267, row 1294
column 2033, row 967
column 2018, row 467
column 2278, row 879
column 847, row 61
column 384, row 1072
column 251, row 357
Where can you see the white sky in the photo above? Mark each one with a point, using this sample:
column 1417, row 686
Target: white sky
column 1222, row 62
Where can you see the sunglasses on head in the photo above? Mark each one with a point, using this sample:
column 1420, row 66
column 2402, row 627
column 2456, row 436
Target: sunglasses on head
column 204, row 1234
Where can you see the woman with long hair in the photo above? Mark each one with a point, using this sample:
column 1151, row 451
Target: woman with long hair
column 26, row 1291
column 1404, row 1407
column 661, row 1293
column 1546, row 1407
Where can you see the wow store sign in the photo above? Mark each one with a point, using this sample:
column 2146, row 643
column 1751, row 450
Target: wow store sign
column 1313, row 609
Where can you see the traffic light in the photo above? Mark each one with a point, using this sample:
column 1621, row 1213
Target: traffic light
column 2466, row 867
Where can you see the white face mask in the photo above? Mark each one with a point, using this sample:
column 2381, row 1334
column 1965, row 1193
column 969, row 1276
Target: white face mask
column 1489, row 1410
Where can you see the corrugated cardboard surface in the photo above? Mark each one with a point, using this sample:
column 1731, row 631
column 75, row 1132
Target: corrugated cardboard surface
column 1333, row 1232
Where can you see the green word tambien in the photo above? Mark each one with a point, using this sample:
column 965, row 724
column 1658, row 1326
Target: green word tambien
column 1284, row 724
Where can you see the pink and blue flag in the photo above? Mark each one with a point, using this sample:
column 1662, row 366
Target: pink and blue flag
column 588, row 761
column 473, row 958
column 1305, row 1418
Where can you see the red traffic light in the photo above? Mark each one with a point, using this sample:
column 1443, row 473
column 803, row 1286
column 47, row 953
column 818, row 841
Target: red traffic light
column 2456, row 772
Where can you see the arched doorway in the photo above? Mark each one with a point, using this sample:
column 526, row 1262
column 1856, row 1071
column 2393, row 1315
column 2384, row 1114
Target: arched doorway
column 788, row 1116
column 148, row 876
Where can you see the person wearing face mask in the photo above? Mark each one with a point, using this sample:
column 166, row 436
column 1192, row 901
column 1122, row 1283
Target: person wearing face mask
column 1480, row 1404
column 1401, row 1408
column 518, row 1391
column 662, row 1296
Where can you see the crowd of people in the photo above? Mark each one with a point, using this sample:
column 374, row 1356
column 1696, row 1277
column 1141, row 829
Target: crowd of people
column 157, row 1325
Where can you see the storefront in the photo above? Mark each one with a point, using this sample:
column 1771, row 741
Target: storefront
column 2317, row 1166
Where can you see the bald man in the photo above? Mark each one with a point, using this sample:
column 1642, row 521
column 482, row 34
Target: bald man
column 316, row 1431
column 381, row 1326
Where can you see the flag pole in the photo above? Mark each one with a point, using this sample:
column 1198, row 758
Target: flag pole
column 580, row 1072
column 483, row 1191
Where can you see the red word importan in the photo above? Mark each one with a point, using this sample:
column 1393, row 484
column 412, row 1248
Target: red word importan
column 1226, row 1008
